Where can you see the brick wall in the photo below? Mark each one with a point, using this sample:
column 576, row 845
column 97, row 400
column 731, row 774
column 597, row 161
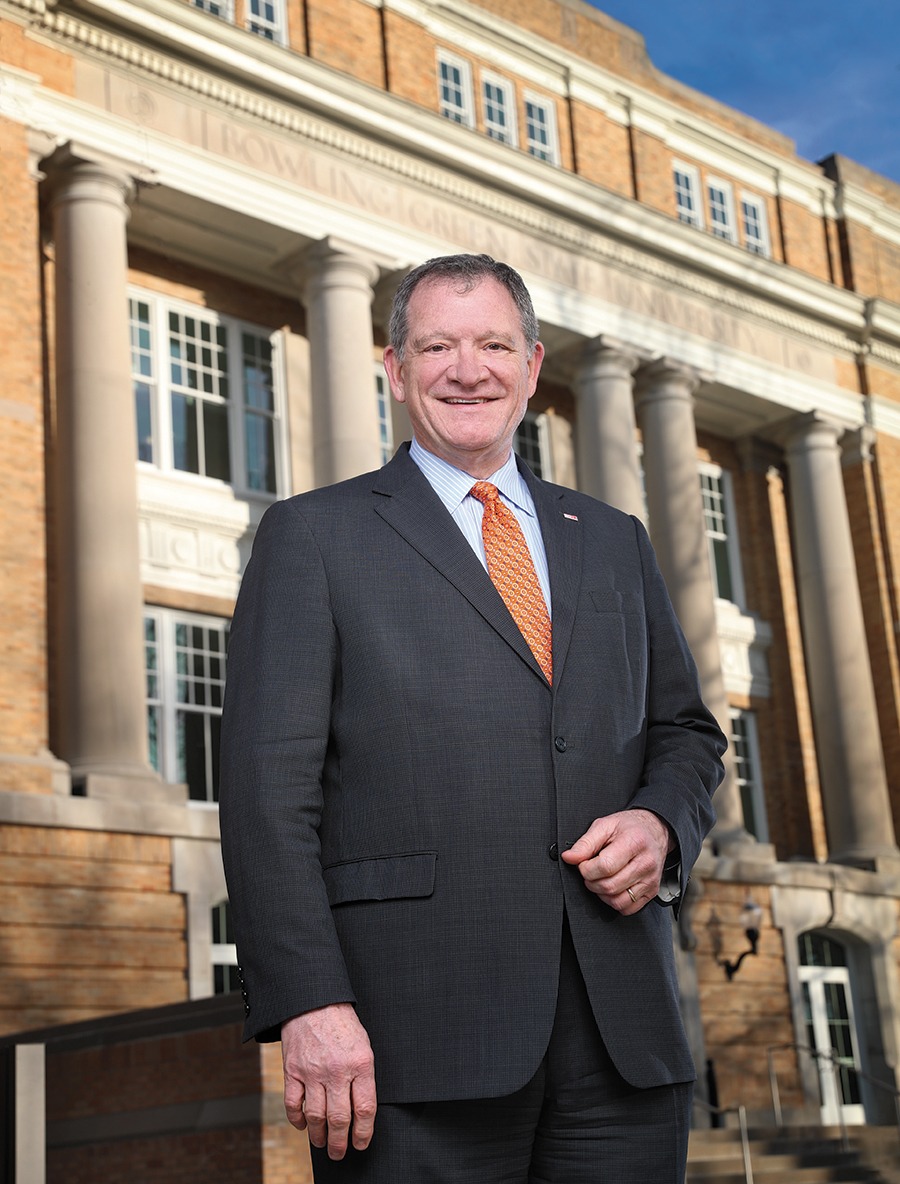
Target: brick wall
column 743, row 1018
column 23, row 649
column 169, row 1097
column 89, row 925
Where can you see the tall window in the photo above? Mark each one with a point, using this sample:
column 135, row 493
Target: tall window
column 745, row 753
column 721, row 210
column 266, row 19
column 455, row 89
column 185, row 658
column 206, row 394
column 224, row 951
column 499, row 108
column 687, row 195
column 755, row 225
column 831, row 1025
column 385, row 423
column 530, row 442
column 540, row 129
column 718, row 513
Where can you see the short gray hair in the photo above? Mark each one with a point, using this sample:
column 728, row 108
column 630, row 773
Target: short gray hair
column 468, row 271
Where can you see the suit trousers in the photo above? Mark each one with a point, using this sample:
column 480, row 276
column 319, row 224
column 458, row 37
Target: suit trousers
column 576, row 1122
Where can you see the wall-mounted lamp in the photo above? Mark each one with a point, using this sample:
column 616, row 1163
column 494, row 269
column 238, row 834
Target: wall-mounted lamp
column 751, row 916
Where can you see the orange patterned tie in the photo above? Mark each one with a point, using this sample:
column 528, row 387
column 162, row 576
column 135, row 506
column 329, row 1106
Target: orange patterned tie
column 511, row 568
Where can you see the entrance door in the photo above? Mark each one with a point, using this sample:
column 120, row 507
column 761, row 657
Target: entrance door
column 830, row 1027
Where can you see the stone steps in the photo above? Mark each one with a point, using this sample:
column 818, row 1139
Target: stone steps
column 795, row 1155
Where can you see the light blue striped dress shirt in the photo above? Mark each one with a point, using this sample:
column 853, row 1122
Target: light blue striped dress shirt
column 452, row 486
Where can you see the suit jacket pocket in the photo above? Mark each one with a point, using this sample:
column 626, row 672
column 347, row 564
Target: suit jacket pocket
column 387, row 877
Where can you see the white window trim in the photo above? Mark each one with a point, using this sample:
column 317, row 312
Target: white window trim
column 509, row 93
column 549, row 106
column 728, row 233
column 763, row 219
column 161, row 407
column 279, row 25
column 167, row 686
column 227, row 13
column 732, row 542
column 751, row 736
column 222, row 954
column 444, row 57
column 384, row 404
column 693, row 175
column 539, row 419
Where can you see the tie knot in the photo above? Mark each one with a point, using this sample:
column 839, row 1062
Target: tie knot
column 485, row 491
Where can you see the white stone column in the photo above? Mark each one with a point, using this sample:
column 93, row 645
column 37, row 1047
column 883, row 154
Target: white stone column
column 102, row 684
column 845, row 714
column 338, row 292
column 607, row 436
column 665, row 403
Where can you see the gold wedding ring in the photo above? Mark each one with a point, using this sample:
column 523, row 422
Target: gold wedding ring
column 632, row 895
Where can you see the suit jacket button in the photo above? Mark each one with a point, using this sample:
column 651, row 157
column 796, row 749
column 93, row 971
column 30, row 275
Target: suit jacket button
column 560, row 743
column 553, row 851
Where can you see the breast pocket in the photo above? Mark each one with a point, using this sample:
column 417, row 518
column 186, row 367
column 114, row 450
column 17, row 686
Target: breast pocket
column 620, row 638
column 386, row 877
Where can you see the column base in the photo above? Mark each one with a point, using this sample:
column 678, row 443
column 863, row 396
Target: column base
column 27, row 773
column 885, row 860
column 131, row 784
column 736, row 842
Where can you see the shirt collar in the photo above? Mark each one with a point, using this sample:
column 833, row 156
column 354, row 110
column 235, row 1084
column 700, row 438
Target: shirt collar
column 452, row 485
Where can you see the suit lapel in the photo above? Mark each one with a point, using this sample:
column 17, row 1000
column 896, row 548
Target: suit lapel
column 563, row 542
column 406, row 501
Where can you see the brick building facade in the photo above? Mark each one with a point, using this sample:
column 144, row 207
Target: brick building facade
column 232, row 189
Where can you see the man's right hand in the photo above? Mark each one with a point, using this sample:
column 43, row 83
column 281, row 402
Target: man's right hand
column 329, row 1077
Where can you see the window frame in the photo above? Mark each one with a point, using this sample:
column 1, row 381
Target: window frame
column 165, row 703
column 551, row 155
column 260, row 25
column 466, row 109
column 728, row 536
column 764, row 242
column 239, row 411
column 750, row 786
column 508, row 90
column 726, row 229
column 537, row 423
column 222, row 954
column 384, row 405
column 693, row 190
column 209, row 6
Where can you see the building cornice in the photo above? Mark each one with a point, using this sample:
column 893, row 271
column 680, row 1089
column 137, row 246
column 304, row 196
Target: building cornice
column 419, row 147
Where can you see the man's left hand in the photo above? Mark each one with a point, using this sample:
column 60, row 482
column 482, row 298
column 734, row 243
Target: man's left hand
column 621, row 858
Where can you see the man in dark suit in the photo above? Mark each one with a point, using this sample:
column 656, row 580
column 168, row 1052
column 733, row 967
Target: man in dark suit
column 448, row 850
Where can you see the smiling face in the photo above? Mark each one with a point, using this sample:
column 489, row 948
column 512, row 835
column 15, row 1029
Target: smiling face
column 466, row 374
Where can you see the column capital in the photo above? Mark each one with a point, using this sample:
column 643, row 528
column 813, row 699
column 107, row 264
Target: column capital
column 809, row 429
column 333, row 259
column 857, row 446
column 606, row 356
column 105, row 175
column 666, row 378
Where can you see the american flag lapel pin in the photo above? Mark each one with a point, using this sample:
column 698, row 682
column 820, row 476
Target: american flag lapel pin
column 571, row 517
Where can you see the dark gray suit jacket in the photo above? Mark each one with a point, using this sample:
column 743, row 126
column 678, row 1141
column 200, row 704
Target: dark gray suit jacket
column 397, row 778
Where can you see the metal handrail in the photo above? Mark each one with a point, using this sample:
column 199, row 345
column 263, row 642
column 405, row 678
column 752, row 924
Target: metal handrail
column 741, row 1112
column 837, row 1064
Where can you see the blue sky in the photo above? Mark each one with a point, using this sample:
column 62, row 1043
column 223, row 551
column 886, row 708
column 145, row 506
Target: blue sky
column 824, row 72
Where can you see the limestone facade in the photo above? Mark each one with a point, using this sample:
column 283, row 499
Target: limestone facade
column 207, row 207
